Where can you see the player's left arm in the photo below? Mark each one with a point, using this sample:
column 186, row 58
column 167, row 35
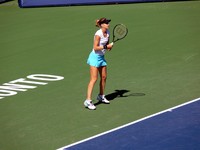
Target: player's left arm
column 109, row 46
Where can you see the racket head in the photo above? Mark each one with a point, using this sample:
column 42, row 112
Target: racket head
column 119, row 32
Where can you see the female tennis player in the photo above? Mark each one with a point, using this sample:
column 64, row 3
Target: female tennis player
column 98, row 63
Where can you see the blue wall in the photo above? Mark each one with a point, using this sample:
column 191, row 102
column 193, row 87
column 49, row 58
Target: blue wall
column 1, row 1
column 38, row 3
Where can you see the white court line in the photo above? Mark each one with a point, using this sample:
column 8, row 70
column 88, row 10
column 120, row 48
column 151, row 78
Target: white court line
column 131, row 123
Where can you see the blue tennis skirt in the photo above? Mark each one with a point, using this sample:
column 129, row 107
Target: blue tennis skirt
column 96, row 60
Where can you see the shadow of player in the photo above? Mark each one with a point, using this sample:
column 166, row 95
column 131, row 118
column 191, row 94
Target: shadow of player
column 119, row 94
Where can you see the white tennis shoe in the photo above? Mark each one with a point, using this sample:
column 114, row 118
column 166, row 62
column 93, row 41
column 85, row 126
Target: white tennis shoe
column 89, row 104
column 103, row 99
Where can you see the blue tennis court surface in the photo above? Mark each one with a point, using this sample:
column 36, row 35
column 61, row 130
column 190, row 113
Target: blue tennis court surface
column 177, row 128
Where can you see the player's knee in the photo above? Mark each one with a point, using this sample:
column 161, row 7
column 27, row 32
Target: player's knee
column 93, row 79
column 104, row 77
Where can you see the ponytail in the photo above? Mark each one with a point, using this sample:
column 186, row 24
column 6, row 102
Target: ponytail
column 97, row 23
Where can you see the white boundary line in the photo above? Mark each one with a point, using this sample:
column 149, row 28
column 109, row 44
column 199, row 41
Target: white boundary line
column 131, row 123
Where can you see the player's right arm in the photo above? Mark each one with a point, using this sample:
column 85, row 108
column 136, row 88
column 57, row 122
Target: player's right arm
column 96, row 46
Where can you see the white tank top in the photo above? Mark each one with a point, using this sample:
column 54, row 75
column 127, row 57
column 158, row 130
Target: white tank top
column 103, row 41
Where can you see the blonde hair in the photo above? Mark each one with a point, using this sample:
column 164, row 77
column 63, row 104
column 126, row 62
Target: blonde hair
column 100, row 21
column 97, row 23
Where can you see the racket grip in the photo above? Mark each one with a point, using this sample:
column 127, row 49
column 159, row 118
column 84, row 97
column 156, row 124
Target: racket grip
column 112, row 43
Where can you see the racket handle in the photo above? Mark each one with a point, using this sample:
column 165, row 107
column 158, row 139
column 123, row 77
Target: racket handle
column 112, row 43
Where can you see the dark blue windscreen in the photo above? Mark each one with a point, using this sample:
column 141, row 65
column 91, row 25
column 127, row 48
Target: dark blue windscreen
column 38, row 3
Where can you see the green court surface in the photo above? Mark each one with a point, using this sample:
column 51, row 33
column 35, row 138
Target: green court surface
column 157, row 63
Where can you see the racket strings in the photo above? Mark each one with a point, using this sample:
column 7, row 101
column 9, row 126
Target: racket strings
column 120, row 31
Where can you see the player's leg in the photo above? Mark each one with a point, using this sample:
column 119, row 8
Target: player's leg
column 103, row 74
column 93, row 78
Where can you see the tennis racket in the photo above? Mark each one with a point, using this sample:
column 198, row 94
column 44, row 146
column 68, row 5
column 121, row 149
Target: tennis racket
column 119, row 32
